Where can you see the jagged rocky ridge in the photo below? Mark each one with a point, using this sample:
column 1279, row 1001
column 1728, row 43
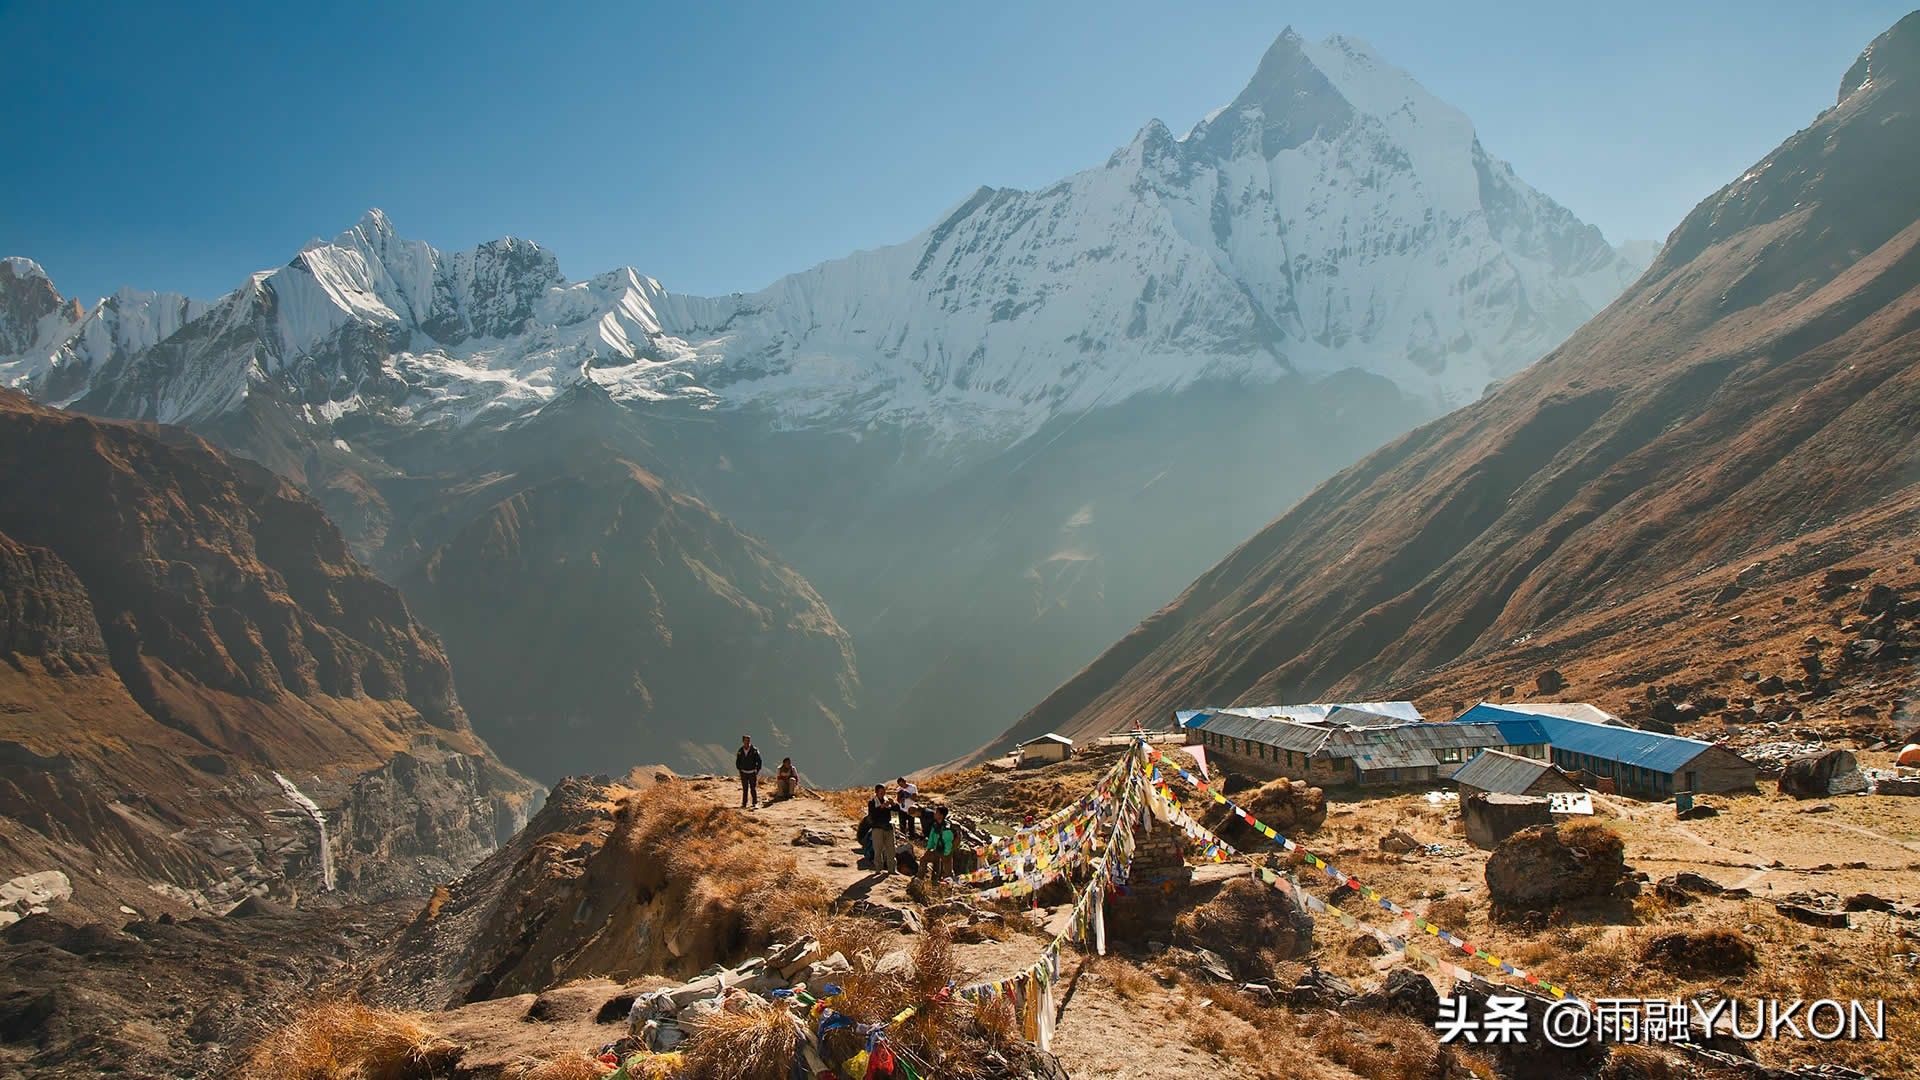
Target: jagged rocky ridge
column 1756, row 387
column 988, row 450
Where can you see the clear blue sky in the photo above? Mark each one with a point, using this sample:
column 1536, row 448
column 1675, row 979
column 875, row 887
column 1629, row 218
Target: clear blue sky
column 717, row 146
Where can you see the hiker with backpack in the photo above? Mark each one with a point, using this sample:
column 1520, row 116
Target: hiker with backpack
column 747, row 760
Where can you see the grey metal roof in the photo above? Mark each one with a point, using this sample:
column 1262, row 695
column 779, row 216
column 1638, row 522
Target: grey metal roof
column 1430, row 736
column 1399, row 746
column 1495, row 770
column 1284, row 734
column 1393, row 756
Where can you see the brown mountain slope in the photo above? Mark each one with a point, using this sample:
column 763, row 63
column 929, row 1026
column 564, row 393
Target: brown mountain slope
column 595, row 613
column 1759, row 383
column 175, row 627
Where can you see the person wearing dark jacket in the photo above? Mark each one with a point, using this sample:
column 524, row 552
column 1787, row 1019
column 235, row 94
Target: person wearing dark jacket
column 747, row 760
column 880, row 830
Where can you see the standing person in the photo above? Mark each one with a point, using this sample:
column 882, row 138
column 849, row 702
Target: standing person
column 747, row 760
column 880, row 830
column 786, row 780
column 940, row 847
column 907, row 792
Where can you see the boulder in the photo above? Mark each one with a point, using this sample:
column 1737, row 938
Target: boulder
column 1292, row 807
column 1320, row 989
column 1898, row 786
column 1813, row 776
column 1206, row 962
column 1399, row 840
column 1696, row 812
column 814, row 838
column 1812, row 916
column 822, row 971
column 1868, row 902
column 35, row 891
column 1251, row 925
column 1865, row 651
column 1406, row 993
column 1546, row 867
column 1701, row 952
column 903, row 919
column 781, row 956
column 1879, row 600
column 1772, row 684
column 1688, row 881
column 1550, row 681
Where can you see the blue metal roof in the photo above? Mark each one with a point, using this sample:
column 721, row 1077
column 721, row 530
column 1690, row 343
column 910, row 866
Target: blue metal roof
column 1628, row 746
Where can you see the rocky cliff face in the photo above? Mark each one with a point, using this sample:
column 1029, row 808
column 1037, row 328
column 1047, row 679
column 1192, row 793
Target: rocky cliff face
column 595, row 614
column 1755, row 387
column 182, row 631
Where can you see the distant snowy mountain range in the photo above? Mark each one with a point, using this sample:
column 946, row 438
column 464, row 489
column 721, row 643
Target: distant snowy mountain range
column 968, row 441
column 1334, row 215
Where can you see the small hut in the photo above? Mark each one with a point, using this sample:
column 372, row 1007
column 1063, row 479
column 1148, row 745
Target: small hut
column 1045, row 750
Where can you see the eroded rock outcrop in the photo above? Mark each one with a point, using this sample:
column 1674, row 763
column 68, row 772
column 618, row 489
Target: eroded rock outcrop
column 185, row 645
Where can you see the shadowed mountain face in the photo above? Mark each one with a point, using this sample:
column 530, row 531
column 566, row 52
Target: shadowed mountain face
column 599, row 616
column 177, row 628
column 1758, row 383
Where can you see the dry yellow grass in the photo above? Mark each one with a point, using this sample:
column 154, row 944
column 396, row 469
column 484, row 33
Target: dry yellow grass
column 757, row 1044
column 1127, row 980
column 1386, row 1048
column 345, row 1040
column 566, row 1065
column 1272, row 1042
column 739, row 891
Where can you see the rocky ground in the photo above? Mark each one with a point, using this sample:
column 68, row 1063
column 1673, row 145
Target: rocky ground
column 170, row 998
column 534, row 956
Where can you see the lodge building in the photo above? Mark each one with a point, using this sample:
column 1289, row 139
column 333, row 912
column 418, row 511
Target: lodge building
column 1370, row 744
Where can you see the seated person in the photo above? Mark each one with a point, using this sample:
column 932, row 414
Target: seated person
column 786, row 782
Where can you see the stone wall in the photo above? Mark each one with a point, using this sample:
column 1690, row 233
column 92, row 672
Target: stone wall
column 1492, row 817
column 1160, row 856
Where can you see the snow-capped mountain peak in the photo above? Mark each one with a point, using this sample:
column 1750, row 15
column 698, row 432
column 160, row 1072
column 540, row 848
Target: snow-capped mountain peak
column 23, row 268
column 1333, row 215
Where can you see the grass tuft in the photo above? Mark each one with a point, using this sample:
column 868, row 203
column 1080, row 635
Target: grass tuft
column 338, row 1040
